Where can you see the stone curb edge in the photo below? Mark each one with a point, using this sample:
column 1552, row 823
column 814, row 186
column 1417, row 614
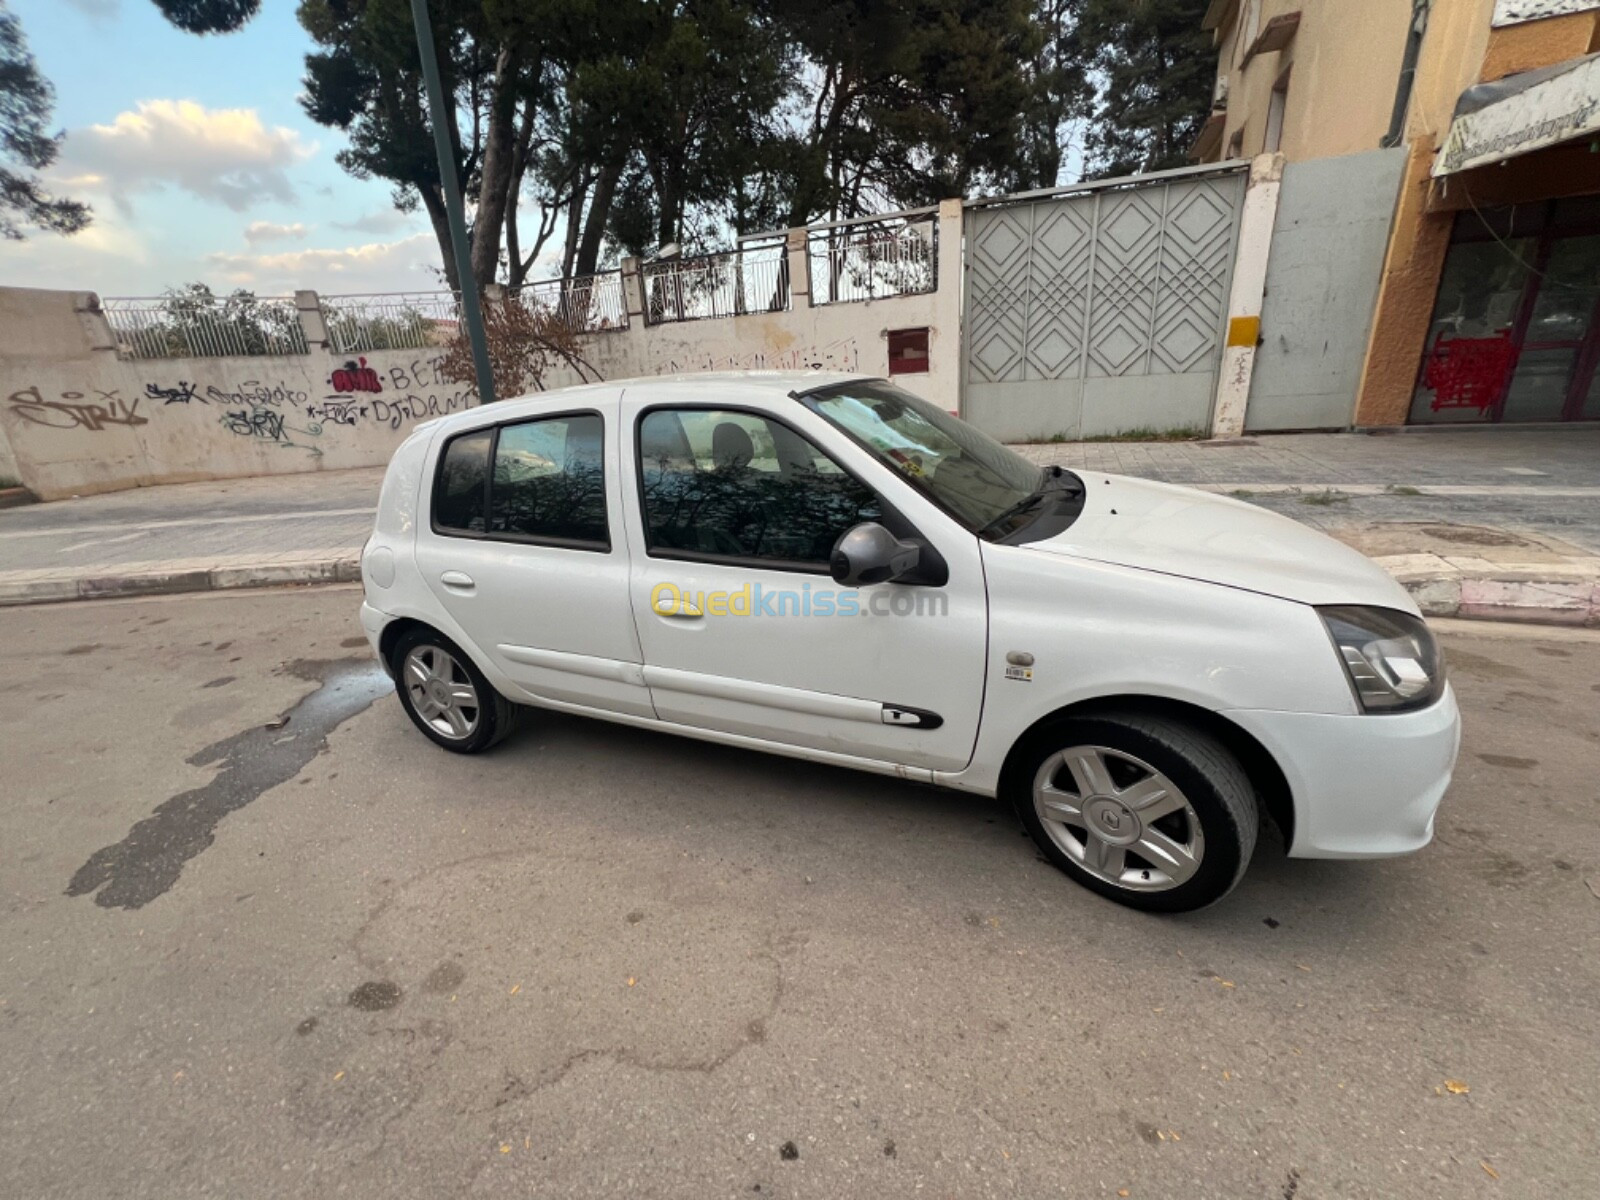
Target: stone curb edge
column 1567, row 601
column 341, row 569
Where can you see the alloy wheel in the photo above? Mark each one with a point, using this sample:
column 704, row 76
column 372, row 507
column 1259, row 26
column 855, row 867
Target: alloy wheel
column 441, row 692
column 1118, row 818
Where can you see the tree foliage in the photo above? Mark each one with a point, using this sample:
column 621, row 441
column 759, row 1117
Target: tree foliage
column 1156, row 67
column 26, row 145
column 632, row 124
column 208, row 16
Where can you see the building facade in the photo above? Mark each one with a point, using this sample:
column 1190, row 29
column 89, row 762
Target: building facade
column 1488, row 306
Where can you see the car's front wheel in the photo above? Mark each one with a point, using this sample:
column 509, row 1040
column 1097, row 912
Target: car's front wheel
column 1147, row 811
column 445, row 694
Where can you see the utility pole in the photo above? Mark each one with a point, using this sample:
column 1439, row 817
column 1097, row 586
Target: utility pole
column 471, row 312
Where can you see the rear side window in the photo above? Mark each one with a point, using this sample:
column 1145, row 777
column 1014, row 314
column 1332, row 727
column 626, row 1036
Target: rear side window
column 460, row 494
column 548, row 481
column 540, row 481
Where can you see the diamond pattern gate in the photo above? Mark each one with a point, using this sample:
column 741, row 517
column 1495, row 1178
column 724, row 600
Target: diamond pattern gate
column 1101, row 311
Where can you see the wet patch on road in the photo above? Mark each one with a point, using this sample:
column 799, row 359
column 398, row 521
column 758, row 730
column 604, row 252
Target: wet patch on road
column 374, row 996
column 147, row 862
column 1509, row 760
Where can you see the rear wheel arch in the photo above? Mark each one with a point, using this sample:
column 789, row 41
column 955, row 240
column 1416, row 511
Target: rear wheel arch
column 1266, row 776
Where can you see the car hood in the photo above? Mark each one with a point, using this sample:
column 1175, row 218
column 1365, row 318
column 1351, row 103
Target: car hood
column 1179, row 531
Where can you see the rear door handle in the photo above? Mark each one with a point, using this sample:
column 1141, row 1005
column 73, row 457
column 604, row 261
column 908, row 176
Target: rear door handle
column 457, row 579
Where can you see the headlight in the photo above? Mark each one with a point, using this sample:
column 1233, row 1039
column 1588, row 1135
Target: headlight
column 1391, row 658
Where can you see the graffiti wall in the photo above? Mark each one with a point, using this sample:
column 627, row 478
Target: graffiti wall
column 79, row 417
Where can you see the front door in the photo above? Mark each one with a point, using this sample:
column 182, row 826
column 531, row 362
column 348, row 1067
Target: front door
column 741, row 626
column 526, row 553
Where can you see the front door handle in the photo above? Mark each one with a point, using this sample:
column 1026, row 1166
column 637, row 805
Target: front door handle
column 680, row 608
column 457, row 579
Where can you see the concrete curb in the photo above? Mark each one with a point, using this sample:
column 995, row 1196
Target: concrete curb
column 40, row 588
column 1537, row 593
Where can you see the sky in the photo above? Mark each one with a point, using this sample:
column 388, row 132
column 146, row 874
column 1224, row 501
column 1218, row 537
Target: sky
column 200, row 165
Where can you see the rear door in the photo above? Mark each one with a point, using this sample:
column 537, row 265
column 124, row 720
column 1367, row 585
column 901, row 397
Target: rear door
column 525, row 550
column 742, row 628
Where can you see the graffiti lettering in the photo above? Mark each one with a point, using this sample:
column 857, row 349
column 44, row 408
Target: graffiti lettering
column 181, row 394
column 69, row 413
column 267, row 424
column 413, row 407
column 336, row 412
column 356, row 377
column 839, row 355
column 422, row 373
column 255, row 422
column 253, row 392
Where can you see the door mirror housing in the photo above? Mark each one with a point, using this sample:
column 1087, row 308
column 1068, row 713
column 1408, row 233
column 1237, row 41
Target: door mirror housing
column 868, row 553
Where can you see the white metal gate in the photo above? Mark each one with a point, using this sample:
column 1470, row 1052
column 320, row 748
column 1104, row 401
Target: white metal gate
column 1101, row 310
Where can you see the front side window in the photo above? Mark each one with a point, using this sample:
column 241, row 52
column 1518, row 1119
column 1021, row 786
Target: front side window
column 720, row 483
column 536, row 480
column 967, row 473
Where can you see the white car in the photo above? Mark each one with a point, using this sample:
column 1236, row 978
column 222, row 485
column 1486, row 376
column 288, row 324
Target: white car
column 827, row 567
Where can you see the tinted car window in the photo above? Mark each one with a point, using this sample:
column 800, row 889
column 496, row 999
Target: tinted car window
column 727, row 484
column 549, row 481
column 459, row 494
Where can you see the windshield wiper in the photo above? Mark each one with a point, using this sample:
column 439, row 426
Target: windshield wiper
column 1021, row 506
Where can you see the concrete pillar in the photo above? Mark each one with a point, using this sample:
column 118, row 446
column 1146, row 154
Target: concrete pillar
column 795, row 247
column 1244, row 299
column 944, row 336
column 308, row 307
column 633, row 291
column 93, row 319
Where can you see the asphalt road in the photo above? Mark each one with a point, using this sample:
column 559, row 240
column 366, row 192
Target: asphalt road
column 328, row 959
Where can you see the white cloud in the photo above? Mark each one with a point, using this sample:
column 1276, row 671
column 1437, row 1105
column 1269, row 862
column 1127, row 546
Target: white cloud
column 267, row 231
column 380, row 221
column 222, row 154
column 374, row 267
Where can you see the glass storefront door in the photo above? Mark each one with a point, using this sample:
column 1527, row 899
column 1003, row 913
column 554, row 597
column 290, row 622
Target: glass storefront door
column 1515, row 334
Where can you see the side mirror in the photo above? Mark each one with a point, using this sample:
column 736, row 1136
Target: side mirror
column 869, row 553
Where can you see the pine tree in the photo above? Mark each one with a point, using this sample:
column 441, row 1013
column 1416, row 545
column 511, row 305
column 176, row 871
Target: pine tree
column 26, row 99
column 1156, row 67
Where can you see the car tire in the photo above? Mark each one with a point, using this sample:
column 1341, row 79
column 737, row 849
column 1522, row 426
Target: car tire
column 1147, row 811
column 439, row 704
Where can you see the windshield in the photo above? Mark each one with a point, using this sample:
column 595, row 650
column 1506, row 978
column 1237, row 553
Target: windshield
column 969, row 474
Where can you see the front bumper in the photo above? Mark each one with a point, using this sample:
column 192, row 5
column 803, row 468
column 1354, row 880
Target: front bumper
column 1363, row 786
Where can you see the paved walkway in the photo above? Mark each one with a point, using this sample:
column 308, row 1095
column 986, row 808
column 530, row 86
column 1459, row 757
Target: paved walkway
column 1492, row 523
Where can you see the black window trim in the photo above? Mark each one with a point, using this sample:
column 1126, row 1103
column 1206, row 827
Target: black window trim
column 593, row 546
column 933, row 572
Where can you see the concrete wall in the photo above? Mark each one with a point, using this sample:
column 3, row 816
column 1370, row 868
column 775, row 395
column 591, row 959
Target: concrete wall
column 81, row 418
column 1322, row 278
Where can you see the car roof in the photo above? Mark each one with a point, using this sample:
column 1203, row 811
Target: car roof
column 780, row 383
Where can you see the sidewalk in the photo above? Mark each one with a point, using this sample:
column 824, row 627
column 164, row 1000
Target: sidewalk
column 1502, row 524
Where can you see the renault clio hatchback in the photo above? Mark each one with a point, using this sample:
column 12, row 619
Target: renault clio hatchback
column 828, row 567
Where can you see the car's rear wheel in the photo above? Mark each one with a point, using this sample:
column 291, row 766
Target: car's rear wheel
column 446, row 696
column 1147, row 811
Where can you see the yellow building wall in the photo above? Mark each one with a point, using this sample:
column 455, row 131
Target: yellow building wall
column 1346, row 59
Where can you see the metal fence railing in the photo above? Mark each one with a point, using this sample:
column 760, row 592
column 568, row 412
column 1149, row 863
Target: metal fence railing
column 873, row 260
column 584, row 304
column 390, row 321
column 753, row 279
column 202, row 325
